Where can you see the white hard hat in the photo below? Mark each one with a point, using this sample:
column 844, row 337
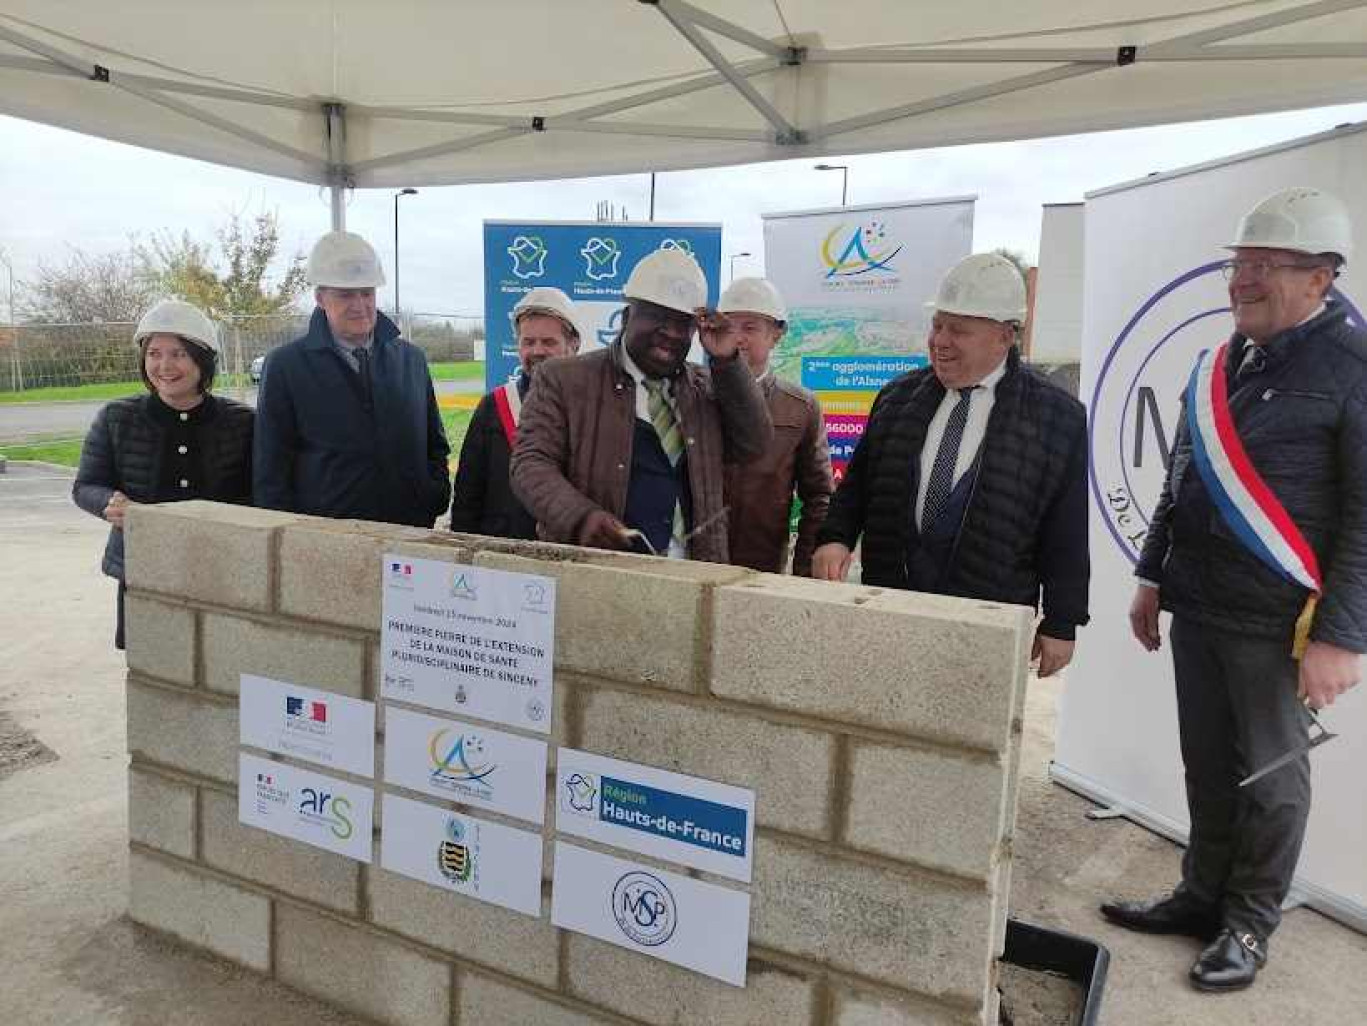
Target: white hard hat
column 1300, row 219
column 176, row 317
column 753, row 295
column 669, row 278
column 983, row 285
column 551, row 302
column 343, row 260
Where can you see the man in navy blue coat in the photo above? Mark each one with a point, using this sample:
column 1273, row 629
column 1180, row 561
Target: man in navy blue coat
column 347, row 420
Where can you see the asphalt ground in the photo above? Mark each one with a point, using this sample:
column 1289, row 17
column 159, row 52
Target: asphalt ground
column 71, row 956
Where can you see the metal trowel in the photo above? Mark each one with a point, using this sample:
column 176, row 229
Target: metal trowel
column 1312, row 742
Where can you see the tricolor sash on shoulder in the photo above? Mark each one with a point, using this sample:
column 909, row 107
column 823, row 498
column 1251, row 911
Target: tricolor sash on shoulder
column 1255, row 515
column 508, row 403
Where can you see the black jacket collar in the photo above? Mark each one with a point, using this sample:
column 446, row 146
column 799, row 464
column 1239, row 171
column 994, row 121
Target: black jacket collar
column 320, row 335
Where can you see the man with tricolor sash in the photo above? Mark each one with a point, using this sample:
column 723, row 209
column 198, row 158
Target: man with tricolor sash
column 482, row 502
column 1258, row 548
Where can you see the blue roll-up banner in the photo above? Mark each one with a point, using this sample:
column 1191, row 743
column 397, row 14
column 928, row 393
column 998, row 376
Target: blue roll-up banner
column 590, row 262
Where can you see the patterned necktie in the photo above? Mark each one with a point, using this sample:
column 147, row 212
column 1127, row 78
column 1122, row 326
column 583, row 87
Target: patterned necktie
column 666, row 424
column 941, row 481
column 363, row 369
column 664, row 420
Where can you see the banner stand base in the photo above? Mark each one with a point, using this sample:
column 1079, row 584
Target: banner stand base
column 1343, row 910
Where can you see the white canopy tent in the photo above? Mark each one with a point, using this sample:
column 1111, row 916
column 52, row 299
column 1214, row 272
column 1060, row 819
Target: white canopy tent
column 351, row 93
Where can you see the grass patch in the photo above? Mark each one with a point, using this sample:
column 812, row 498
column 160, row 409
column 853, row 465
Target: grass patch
column 69, row 393
column 463, row 370
column 66, row 452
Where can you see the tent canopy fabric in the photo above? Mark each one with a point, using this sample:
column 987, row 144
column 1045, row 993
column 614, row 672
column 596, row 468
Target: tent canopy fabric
column 439, row 92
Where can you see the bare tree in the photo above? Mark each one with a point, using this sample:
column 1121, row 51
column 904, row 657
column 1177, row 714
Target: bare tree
column 88, row 288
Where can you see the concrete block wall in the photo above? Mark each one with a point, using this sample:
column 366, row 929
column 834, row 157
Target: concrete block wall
column 878, row 729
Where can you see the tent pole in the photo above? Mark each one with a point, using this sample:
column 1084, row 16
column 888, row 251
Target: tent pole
column 338, row 176
column 338, row 195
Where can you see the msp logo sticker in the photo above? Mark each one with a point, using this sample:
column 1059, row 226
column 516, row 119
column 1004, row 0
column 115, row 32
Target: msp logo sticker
column 682, row 245
column 462, row 587
column 644, row 909
column 600, row 257
column 460, row 763
column 529, row 256
column 326, row 810
column 866, row 250
column 580, row 794
column 1137, row 399
column 455, row 859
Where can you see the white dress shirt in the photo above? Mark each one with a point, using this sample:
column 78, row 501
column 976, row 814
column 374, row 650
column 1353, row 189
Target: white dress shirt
column 979, row 408
column 678, row 548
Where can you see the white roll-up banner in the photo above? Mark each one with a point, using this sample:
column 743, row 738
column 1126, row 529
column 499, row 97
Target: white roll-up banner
column 1154, row 298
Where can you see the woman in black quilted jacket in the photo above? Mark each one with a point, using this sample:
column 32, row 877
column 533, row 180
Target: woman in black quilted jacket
column 177, row 442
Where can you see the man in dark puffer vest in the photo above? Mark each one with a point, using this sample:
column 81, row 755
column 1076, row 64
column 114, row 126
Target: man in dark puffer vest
column 971, row 476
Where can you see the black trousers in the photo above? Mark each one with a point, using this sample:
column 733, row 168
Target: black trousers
column 1237, row 710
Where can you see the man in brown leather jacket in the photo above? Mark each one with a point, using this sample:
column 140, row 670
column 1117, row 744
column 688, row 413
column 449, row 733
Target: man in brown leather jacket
column 760, row 494
column 624, row 448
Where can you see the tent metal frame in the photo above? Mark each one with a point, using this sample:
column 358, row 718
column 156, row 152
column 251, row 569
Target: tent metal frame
column 695, row 28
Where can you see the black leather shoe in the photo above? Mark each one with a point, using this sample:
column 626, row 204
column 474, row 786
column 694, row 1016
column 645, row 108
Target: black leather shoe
column 1175, row 913
column 1230, row 961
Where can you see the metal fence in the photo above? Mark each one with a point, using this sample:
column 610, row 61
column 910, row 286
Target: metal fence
column 36, row 356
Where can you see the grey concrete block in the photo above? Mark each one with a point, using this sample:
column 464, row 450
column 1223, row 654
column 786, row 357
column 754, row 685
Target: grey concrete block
column 360, row 970
column 933, row 808
column 920, row 932
column 488, row 1002
column 205, row 551
column 161, row 813
column 639, row 625
column 161, row 639
column 201, row 910
column 924, row 665
column 234, row 646
column 181, row 730
column 501, row 939
column 663, row 994
column 289, row 866
column 330, row 570
column 856, row 1008
column 791, row 769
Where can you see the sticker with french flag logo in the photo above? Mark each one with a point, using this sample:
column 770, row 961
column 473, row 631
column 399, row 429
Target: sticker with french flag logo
column 315, row 711
column 307, row 723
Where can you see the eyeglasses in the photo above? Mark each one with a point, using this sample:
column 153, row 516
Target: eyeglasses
column 1259, row 269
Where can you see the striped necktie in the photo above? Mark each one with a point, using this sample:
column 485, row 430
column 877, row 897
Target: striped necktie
column 666, row 424
column 941, row 481
column 665, row 421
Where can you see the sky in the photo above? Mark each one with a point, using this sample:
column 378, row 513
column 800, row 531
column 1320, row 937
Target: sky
column 61, row 189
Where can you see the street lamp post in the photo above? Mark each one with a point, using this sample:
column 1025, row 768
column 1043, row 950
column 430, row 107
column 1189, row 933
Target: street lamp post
column 734, row 258
column 844, row 178
column 16, row 370
column 401, row 192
